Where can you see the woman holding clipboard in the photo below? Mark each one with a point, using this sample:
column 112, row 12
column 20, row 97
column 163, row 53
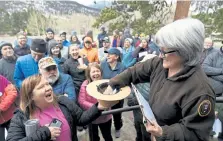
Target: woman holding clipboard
column 180, row 97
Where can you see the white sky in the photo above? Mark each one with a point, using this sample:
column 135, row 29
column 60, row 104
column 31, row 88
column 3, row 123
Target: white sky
column 85, row 2
column 89, row 2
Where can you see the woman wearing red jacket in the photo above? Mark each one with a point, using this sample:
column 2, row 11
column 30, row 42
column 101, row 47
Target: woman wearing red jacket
column 8, row 96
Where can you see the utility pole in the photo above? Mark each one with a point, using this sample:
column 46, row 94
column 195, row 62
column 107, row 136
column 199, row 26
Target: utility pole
column 182, row 9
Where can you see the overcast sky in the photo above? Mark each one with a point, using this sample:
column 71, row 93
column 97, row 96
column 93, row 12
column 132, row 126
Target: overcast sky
column 89, row 2
column 85, row 2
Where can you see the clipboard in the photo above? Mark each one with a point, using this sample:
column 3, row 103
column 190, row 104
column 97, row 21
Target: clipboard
column 144, row 106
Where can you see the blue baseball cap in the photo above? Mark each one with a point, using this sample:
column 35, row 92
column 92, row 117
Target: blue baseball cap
column 113, row 51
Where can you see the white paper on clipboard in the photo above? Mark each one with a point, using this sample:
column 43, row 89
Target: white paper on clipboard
column 144, row 106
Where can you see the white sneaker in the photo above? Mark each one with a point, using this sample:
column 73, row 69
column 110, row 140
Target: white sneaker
column 81, row 133
column 117, row 133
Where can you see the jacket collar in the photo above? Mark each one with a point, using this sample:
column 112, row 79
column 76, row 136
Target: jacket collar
column 208, row 49
column 72, row 59
column 23, row 47
column 184, row 73
column 117, row 67
column 10, row 60
column 58, row 80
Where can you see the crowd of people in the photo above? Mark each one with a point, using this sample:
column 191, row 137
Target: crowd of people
column 179, row 72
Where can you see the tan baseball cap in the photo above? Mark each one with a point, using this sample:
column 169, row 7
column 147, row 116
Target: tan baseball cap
column 46, row 62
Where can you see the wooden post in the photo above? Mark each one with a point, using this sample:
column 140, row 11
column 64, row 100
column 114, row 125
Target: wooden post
column 182, row 9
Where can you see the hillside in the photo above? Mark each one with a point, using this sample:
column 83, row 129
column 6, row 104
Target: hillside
column 49, row 7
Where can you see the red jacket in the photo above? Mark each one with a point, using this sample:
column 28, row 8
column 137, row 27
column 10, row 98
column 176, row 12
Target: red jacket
column 8, row 96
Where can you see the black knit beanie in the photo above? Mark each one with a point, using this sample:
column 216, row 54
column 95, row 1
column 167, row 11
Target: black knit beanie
column 2, row 44
column 38, row 45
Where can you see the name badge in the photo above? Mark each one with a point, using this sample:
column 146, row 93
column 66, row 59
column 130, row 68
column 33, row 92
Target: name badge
column 143, row 53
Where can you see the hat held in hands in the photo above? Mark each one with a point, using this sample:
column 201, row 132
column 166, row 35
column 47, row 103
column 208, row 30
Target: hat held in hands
column 97, row 88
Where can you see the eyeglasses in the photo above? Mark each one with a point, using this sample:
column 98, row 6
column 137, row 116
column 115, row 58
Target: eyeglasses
column 51, row 68
column 163, row 53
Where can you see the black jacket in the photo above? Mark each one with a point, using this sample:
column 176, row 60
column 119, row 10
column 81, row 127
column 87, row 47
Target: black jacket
column 182, row 104
column 78, row 76
column 7, row 68
column 74, row 115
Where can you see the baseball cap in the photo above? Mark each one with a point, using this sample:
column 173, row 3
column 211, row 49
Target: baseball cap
column 113, row 51
column 46, row 62
column 106, row 39
column 49, row 30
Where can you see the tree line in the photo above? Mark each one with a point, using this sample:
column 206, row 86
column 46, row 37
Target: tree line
column 34, row 21
column 154, row 13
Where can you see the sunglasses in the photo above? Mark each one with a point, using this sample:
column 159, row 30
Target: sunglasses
column 50, row 68
column 87, row 42
column 163, row 53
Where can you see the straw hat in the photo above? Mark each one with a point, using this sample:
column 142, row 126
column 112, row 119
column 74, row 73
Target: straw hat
column 96, row 89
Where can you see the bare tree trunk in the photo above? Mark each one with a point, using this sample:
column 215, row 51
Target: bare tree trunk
column 182, row 9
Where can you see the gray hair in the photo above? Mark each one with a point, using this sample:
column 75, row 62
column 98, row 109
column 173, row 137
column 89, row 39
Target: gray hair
column 184, row 35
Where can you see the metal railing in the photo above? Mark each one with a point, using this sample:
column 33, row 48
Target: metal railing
column 129, row 108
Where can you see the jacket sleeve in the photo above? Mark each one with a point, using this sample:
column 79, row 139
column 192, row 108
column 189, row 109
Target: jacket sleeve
column 138, row 73
column 82, row 98
column 135, row 53
column 18, row 75
column 11, row 94
column 218, row 78
column 66, row 68
column 196, row 124
column 85, row 117
column 16, row 132
column 69, row 89
column 131, row 63
column 208, row 66
column 96, row 57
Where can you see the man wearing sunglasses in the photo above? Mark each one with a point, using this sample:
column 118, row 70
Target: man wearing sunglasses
column 62, row 84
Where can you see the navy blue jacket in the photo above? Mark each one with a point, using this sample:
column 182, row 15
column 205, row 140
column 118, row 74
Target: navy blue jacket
column 108, row 72
column 21, row 51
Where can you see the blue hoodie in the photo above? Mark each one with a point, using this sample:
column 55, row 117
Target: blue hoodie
column 127, row 58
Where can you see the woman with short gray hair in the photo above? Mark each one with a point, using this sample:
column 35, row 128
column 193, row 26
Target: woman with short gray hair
column 180, row 96
column 186, row 39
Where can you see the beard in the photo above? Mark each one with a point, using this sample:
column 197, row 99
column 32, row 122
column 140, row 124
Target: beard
column 53, row 78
